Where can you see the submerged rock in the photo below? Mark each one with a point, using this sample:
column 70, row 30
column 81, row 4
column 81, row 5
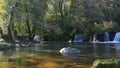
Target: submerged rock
column 69, row 50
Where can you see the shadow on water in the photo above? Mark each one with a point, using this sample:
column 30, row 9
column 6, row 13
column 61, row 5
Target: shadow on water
column 47, row 55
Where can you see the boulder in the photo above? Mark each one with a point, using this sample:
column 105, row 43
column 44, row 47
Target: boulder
column 36, row 38
column 69, row 50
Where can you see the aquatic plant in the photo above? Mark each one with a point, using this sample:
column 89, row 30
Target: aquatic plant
column 106, row 63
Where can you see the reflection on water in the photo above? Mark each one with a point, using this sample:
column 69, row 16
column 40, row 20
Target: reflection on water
column 117, row 49
column 47, row 55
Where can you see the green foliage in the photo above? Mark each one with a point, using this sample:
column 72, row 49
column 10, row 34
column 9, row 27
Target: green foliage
column 111, row 10
column 108, row 63
column 105, row 26
column 58, row 19
column 99, row 27
column 111, row 26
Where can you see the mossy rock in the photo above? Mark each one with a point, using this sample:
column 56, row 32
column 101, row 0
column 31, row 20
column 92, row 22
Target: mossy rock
column 106, row 63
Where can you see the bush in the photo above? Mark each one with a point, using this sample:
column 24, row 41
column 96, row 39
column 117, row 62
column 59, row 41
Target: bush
column 108, row 63
column 105, row 26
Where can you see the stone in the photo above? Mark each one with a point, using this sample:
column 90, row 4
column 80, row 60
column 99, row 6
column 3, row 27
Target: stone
column 69, row 50
column 36, row 38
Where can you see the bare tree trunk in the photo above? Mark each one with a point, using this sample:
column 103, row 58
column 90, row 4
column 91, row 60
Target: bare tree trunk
column 10, row 26
column 1, row 33
column 28, row 25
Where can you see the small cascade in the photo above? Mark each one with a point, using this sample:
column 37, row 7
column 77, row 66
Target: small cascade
column 78, row 38
column 94, row 37
column 117, row 37
column 106, row 38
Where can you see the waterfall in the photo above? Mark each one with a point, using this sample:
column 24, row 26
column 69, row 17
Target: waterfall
column 117, row 37
column 78, row 38
column 94, row 37
column 106, row 38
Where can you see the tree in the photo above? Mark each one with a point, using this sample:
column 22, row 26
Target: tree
column 21, row 11
column 10, row 8
column 111, row 10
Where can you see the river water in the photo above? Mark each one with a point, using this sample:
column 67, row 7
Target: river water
column 47, row 55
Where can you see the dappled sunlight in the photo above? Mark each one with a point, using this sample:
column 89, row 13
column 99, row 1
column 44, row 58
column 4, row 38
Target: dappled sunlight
column 52, row 62
column 41, row 61
column 3, row 64
column 10, row 65
column 48, row 65
column 36, row 61
column 40, row 33
column 48, row 56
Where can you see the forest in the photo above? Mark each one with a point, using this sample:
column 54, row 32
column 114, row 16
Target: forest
column 58, row 20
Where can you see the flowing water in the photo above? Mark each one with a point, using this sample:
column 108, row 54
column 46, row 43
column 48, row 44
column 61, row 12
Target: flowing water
column 106, row 37
column 47, row 55
column 117, row 37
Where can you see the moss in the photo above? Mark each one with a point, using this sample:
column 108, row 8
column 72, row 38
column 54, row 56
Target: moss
column 106, row 63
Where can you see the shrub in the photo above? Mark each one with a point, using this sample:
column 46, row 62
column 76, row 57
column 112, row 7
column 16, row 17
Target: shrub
column 108, row 63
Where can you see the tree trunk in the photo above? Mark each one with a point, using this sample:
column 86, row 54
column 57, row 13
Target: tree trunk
column 10, row 26
column 28, row 25
column 1, row 33
column 29, row 31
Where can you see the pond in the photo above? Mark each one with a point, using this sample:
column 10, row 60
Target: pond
column 47, row 55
